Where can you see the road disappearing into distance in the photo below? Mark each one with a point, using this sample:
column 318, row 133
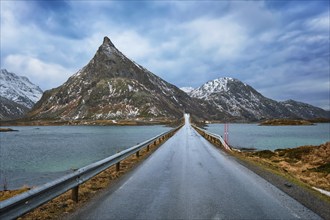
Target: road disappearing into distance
column 188, row 178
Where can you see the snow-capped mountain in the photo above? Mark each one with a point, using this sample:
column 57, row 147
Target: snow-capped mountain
column 214, row 86
column 243, row 102
column 111, row 86
column 18, row 89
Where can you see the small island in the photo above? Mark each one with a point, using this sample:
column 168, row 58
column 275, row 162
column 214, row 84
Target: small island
column 282, row 122
column 7, row 130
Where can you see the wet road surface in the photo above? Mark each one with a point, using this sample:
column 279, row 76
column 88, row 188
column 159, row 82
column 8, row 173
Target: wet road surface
column 187, row 178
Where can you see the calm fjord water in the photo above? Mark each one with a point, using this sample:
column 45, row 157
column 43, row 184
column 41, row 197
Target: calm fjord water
column 273, row 137
column 36, row 155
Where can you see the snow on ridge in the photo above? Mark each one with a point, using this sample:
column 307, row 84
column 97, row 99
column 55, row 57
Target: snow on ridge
column 187, row 89
column 213, row 86
column 19, row 89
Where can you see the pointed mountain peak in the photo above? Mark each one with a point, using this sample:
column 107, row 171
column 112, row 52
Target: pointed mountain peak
column 109, row 49
column 107, row 41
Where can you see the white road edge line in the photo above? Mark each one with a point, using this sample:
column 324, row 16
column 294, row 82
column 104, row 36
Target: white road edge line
column 327, row 193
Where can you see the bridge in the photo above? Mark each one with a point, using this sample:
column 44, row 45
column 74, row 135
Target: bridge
column 186, row 178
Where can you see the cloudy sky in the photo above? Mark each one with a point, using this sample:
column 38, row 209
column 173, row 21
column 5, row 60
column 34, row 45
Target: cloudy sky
column 281, row 48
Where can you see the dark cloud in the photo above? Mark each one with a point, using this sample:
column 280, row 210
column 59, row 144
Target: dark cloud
column 279, row 47
column 55, row 17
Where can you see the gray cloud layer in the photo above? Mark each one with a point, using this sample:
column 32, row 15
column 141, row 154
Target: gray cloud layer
column 279, row 47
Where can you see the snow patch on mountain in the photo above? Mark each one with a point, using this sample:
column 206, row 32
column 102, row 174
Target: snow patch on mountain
column 187, row 89
column 19, row 89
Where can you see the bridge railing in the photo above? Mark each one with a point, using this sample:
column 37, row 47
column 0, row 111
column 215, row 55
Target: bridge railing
column 215, row 138
column 27, row 201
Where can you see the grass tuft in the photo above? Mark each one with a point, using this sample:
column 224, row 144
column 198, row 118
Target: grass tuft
column 325, row 168
column 298, row 153
column 264, row 154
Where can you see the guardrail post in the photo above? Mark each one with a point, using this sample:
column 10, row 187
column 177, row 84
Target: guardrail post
column 138, row 154
column 117, row 166
column 148, row 148
column 74, row 193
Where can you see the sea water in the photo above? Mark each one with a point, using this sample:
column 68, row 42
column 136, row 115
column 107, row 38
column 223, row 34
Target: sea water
column 273, row 137
column 36, row 155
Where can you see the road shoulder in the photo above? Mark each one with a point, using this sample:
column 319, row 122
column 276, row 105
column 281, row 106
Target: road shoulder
column 308, row 197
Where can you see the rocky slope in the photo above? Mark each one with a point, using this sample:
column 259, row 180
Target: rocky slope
column 111, row 86
column 11, row 110
column 303, row 110
column 244, row 103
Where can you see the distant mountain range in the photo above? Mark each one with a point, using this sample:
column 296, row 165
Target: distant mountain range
column 111, row 86
column 244, row 103
column 17, row 95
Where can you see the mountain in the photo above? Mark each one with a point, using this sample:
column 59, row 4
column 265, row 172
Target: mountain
column 17, row 95
column 243, row 102
column 18, row 89
column 303, row 110
column 111, row 86
column 11, row 110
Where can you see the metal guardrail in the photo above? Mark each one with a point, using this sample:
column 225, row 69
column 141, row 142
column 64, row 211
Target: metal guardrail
column 212, row 137
column 26, row 202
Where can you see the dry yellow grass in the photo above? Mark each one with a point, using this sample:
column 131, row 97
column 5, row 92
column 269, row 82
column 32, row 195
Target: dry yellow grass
column 10, row 193
column 309, row 164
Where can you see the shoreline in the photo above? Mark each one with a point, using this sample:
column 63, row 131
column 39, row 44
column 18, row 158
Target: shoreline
column 90, row 123
column 7, row 130
column 155, row 121
column 286, row 122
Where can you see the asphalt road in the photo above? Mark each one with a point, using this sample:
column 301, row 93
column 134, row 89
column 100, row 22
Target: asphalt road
column 187, row 178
